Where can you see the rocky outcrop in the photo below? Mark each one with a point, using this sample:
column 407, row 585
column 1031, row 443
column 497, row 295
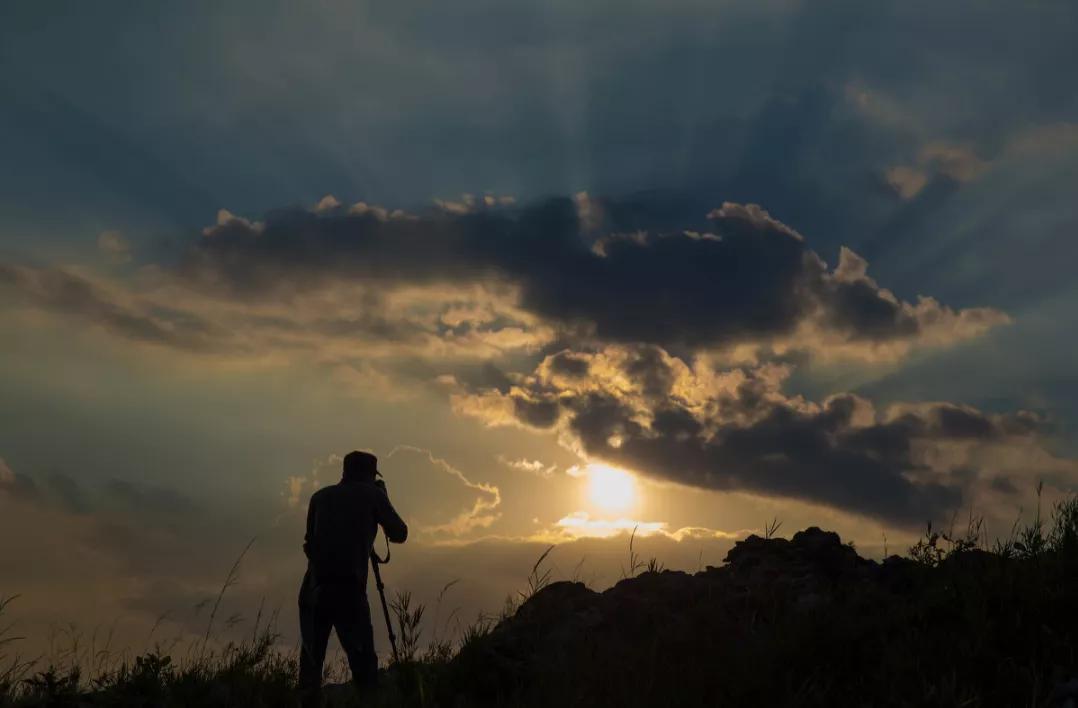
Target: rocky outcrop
column 781, row 618
column 566, row 623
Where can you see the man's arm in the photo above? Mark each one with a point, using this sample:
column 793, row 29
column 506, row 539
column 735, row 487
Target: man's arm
column 387, row 517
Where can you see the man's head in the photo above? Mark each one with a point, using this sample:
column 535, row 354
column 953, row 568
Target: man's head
column 360, row 466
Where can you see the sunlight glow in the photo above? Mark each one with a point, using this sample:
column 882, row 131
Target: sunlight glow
column 579, row 524
column 611, row 489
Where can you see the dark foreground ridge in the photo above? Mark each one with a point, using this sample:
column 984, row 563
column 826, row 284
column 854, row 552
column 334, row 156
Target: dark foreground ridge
column 798, row 622
column 805, row 621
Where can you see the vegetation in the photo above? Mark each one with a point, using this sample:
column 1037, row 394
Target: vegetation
column 959, row 621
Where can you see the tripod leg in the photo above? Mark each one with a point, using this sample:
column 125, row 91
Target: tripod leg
column 385, row 608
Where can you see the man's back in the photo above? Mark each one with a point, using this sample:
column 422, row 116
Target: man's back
column 342, row 521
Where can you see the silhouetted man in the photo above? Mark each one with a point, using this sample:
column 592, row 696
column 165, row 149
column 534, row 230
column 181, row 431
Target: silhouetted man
column 342, row 521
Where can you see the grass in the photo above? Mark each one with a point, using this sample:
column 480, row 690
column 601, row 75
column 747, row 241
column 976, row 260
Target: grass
column 973, row 623
column 538, row 578
column 635, row 562
column 230, row 580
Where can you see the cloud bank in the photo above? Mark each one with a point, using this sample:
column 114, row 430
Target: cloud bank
column 656, row 341
column 590, row 266
column 729, row 429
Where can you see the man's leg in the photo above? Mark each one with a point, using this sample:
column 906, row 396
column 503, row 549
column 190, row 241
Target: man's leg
column 352, row 620
column 314, row 626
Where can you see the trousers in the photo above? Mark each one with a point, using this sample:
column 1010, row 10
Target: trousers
column 341, row 606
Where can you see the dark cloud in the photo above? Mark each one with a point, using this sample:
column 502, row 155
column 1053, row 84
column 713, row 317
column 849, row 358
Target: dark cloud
column 568, row 364
column 955, row 422
column 68, row 493
column 1004, row 486
column 148, row 499
column 814, row 456
column 858, row 309
column 737, row 275
column 484, row 376
column 623, row 301
column 63, row 491
column 743, row 434
column 19, row 486
column 370, row 324
column 536, row 413
column 67, row 293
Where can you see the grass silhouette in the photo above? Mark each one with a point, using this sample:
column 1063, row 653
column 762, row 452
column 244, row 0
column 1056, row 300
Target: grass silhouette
column 958, row 621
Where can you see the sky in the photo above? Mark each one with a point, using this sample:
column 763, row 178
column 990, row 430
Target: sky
column 570, row 269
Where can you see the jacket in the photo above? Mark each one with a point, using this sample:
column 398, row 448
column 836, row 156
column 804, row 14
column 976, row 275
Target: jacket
column 342, row 521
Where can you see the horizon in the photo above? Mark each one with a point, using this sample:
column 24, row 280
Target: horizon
column 574, row 272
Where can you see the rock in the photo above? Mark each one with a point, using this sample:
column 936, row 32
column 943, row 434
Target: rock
column 776, row 608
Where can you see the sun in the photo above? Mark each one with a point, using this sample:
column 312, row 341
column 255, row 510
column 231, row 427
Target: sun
column 611, row 489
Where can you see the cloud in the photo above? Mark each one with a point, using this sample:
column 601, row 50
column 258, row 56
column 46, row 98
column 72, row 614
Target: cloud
column 384, row 343
column 366, row 293
column 744, row 276
column 479, row 512
column 80, row 296
column 660, row 349
column 1040, row 140
column 64, row 492
column 114, row 245
column 68, row 493
column 734, row 429
column 905, row 180
column 149, row 499
column 388, row 306
column 469, row 203
column 16, row 486
column 581, row 524
column 857, row 307
column 955, row 162
column 535, row 467
column 378, row 212
column 961, row 163
column 227, row 220
column 116, row 556
column 327, row 203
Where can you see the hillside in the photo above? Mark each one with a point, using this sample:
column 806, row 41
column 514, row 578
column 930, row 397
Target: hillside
column 804, row 621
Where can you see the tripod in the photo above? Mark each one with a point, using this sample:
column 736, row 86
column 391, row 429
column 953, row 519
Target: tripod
column 375, row 562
